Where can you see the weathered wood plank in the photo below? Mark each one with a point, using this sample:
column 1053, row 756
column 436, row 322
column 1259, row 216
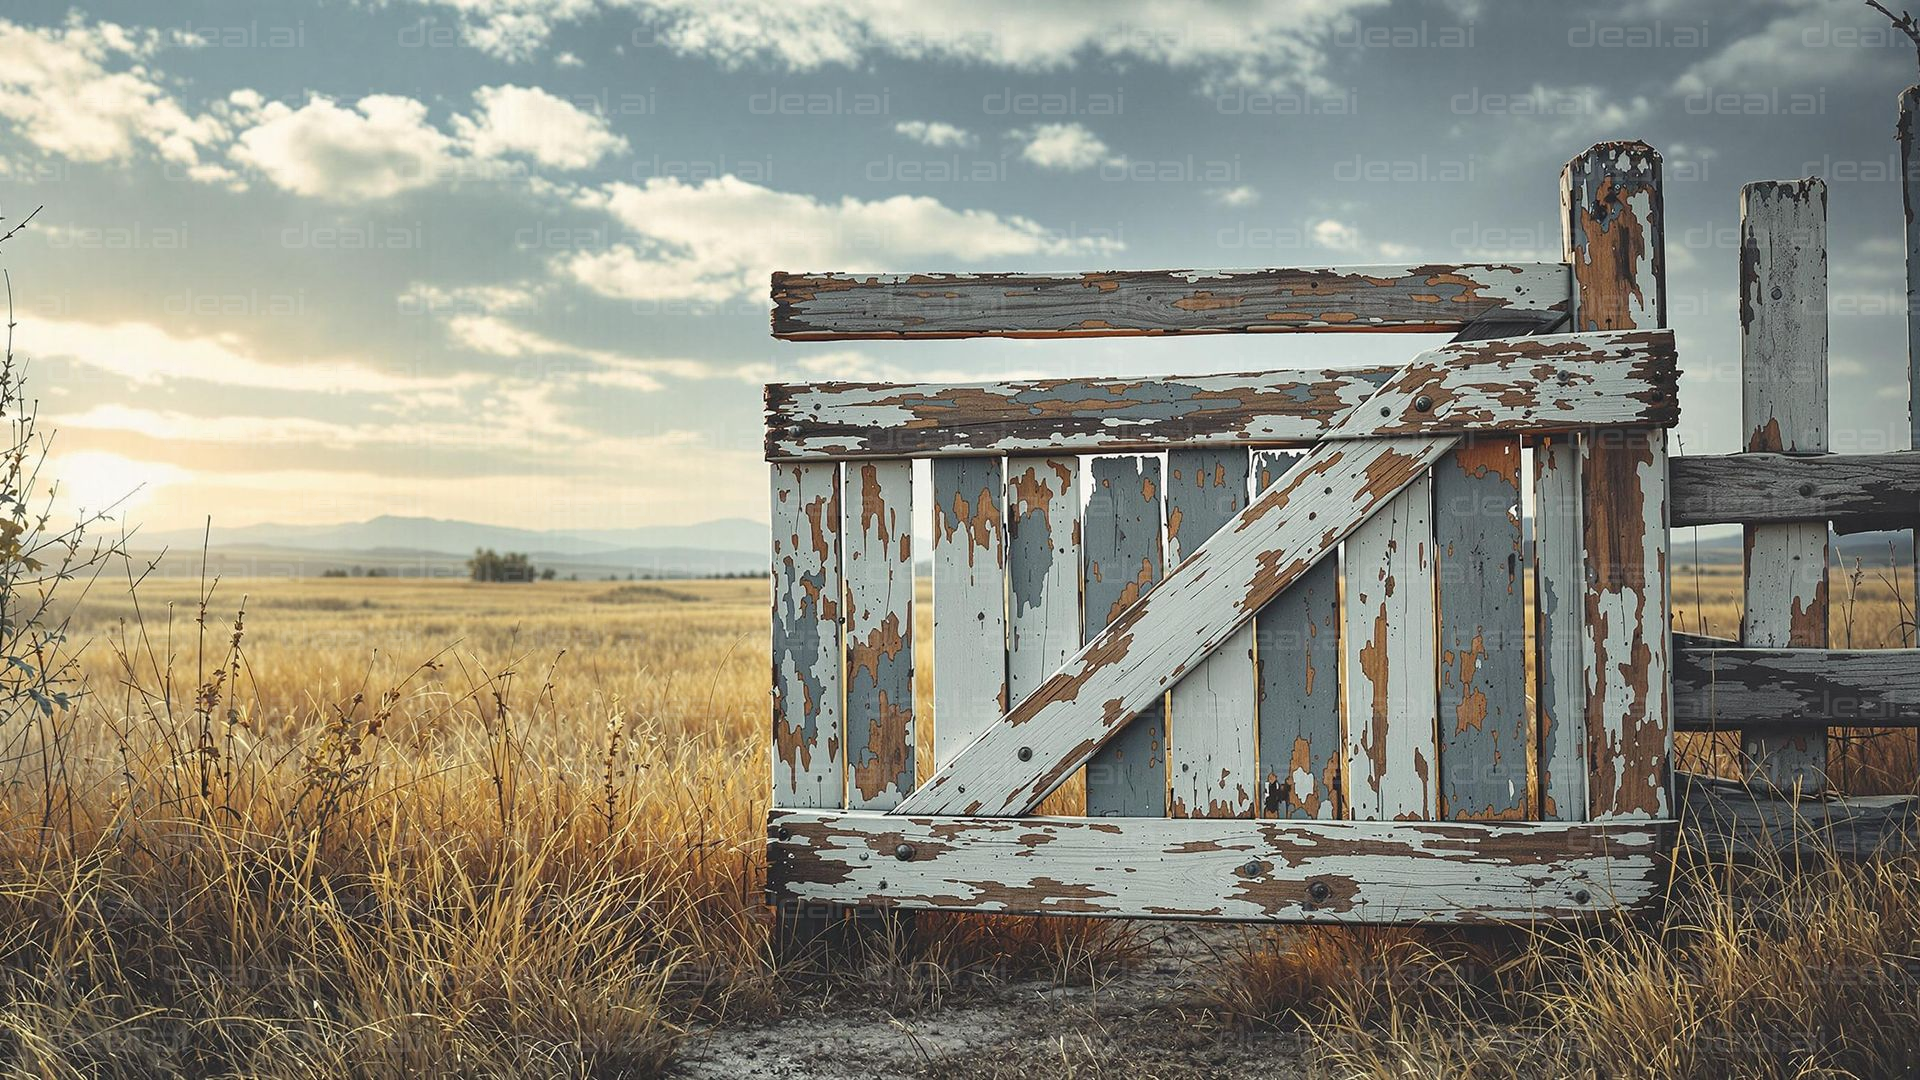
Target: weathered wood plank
column 1723, row 687
column 1297, row 644
column 1533, row 385
column 1226, row 869
column 1210, row 713
column 1910, row 202
column 969, row 601
column 806, row 635
column 1043, row 569
column 813, row 307
column 878, row 535
column 1560, row 576
column 1125, row 556
column 1392, row 690
column 1487, row 764
column 1614, row 235
column 1127, row 666
column 1721, row 819
column 1857, row 492
column 1783, row 360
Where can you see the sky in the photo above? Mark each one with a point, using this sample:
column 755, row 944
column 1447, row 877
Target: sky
column 312, row 261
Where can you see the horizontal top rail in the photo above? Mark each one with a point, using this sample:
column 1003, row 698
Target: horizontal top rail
column 1435, row 297
column 1856, row 492
column 1519, row 385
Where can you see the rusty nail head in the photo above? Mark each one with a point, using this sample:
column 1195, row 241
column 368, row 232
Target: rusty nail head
column 1026, row 753
column 1422, row 403
column 904, row 853
column 1319, row 891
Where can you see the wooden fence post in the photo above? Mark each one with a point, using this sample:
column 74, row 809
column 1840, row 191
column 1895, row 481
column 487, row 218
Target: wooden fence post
column 1614, row 237
column 1910, row 202
column 1783, row 372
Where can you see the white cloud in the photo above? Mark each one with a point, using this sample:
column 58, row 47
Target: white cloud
column 147, row 355
column 1835, row 45
column 495, row 336
column 1063, row 147
column 530, row 121
column 1337, row 235
column 935, row 133
column 1254, row 42
column 1242, row 195
column 84, row 92
column 380, row 147
column 719, row 239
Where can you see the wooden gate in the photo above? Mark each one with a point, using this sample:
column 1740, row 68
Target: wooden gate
column 1296, row 684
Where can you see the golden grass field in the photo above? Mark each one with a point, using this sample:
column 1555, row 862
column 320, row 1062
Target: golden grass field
column 382, row 828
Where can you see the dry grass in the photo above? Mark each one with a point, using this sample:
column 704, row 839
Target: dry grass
column 377, row 827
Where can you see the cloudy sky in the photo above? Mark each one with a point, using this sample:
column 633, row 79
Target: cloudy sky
column 506, row 260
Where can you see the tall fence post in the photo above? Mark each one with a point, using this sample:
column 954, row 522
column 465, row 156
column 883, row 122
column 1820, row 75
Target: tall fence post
column 1615, row 238
column 1783, row 372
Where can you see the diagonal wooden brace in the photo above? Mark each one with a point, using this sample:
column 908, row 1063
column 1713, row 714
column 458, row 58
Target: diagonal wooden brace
column 1515, row 385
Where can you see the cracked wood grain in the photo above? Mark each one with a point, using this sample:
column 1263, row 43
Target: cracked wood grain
column 806, row 635
column 1433, row 297
column 1125, row 557
column 1210, row 712
column 969, row 600
column 1783, row 360
column 1535, row 385
column 1297, row 647
column 1487, row 742
column 1392, row 690
column 1857, row 492
column 1614, row 236
column 1043, row 569
column 1722, row 685
column 1560, row 574
column 1226, row 869
column 878, row 535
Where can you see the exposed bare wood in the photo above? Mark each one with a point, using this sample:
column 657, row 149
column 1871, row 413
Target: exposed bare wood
column 1257, row 871
column 1728, row 686
column 807, row 677
column 1614, row 235
column 813, row 307
column 1521, row 385
column 1392, row 742
column 1125, row 558
column 879, row 570
column 1783, row 359
column 1560, row 569
column 969, row 601
column 1720, row 818
column 1140, row 654
column 1210, row 713
column 1297, row 644
column 1043, row 569
column 1857, row 492
column 1487, row 742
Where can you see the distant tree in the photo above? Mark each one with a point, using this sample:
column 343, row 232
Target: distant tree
column 333, row 571
column 377, row 571
column 489, row 565
column 547, row 574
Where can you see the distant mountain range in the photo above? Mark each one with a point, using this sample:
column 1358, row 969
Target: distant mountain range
column 438, row 547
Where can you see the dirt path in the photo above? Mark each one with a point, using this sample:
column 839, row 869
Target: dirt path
column 1145, row 1022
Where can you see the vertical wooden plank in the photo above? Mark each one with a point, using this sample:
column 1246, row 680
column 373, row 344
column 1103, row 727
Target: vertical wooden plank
column 1559, row 583
column 806, row 635
column 1388, row 648
column 1043, row 569
column 879, row 569
column 1486, row 737
column 1783, row 364
column 1124, row 556
column 1297, row 643
column 1614, row 237
column 1910, row 201
column 1210, row 712
column 969, row 601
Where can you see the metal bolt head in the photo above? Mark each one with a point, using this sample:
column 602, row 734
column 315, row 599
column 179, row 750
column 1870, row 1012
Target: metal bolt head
column 1582, row 896
column 783, row 833
column 1776, row 293
column 1252, row 868
column 904, row 853
column 1806, row 490
column 1026, row 753
column 1423, row 403
column 1319, row 892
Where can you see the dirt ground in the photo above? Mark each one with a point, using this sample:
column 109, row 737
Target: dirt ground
column 1145, row 1021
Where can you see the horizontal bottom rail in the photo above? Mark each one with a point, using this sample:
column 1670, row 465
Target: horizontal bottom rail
column 1723, row 818
column 1235, row 870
